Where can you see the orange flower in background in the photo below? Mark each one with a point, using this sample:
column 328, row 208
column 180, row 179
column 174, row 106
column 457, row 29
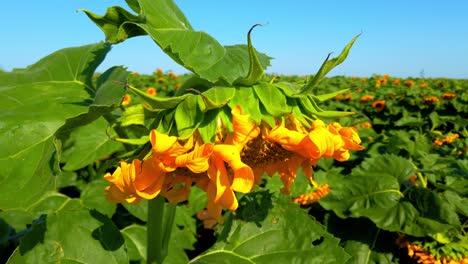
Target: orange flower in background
column 431, row 99
column 366, row 98
column 346, row 97
column 396, row 81
column 127, row 99
column 408, row 83
column 384, row 79
column 423, row 85
column 378, row 83
column 447, row 140
column 379, row 105
column 158, row 71
column 365, row 125
column 151, row 91
column 160, row 80
column 448, row 96
column 339, row 97
column 173, row 76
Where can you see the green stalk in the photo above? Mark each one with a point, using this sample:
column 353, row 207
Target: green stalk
column 159, row 227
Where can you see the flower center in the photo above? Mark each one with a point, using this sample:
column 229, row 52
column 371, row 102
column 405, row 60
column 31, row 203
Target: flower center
column 259, row 151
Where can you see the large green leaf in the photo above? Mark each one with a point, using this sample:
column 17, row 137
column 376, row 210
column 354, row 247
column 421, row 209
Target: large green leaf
column 377, row 196
column 165, row 23
column 72, row 234
column 395, row 166
column 287, row 234
column 36, row 102
column 88, row 144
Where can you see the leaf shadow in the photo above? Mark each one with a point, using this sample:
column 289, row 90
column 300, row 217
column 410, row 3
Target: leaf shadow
column 254, row 207
column 108, row 234
column 352, row 229
column 35, row 234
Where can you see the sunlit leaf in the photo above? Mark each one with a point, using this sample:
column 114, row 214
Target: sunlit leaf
column 165, row 23
column 28, row 151
column 87, row 144
column 287, row 235
column 67, row 233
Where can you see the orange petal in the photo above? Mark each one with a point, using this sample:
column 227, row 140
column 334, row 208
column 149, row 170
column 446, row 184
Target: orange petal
column 243, row 175
column 167, row 148
column 121, row 188
column 150, row 178
column 288, row 139
column 217, row 173
column 161, row 142
column 244, row 129
column 351, row 138
column 213, row 208
column 197, row 160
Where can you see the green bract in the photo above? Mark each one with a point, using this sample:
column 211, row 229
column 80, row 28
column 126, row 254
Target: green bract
column 224, row 76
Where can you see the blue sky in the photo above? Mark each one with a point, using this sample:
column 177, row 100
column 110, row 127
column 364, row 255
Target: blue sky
column 404, row 38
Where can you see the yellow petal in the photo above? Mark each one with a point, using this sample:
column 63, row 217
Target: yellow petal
column 288, row 139
column 351, row 138
column 217, row 173
column 244, row 129
column 243, row 175
column 150, row 178
column 197, row 160
column 121, row 188
column 167, row 148
column 161, row 142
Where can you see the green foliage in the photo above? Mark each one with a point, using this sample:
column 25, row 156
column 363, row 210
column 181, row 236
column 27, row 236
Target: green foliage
column 63, row 126
column 197, row 51
column 287, row 234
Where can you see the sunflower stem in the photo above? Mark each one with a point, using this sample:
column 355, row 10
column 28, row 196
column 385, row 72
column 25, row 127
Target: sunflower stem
column 159, row 227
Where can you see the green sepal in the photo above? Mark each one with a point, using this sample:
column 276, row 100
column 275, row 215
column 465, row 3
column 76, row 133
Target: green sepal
column 289, row 89
column 215, row 97
column 256, row 71
column 297, row 113
column 272, row 98
column 133, row 141
column 188, row 116
column 328, row 96
column 226, row 118
column 327, row 66
column 267, row 118
column 165, row 121
column 333, row 114
column 133, row 115
column 246, row 97
column 306, row 105
column 158, row 103
column 209, row 125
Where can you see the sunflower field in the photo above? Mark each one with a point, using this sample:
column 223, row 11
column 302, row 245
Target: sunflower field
column 226, row 164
